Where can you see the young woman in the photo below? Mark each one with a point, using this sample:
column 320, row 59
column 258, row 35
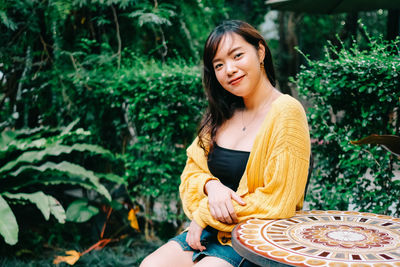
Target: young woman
column 251, row 156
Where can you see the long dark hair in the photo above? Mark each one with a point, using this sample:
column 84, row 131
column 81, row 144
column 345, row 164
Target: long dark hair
column 221, row 103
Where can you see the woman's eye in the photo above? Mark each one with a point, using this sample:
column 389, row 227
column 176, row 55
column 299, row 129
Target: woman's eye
column 218, row 66
column 238, row 55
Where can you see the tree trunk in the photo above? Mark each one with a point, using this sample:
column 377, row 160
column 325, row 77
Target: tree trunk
column 289, row 59
column 393, row 24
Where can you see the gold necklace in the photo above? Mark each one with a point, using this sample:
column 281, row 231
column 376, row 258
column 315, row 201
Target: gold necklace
column 255, row 115
column 244, row 126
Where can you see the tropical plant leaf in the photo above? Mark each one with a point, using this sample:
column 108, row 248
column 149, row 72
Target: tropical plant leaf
column 11, row 140
column 8, row 223
column 80, row 211
column 24, row 139
column 55, row 150
column 57, row 210
column 6, row 138
column 45, row 203
column 73, row 180
column 71, row 170
column 23, row 145
column 25, row 132
column 389, row 142
column 112, row 178
column 69, row 127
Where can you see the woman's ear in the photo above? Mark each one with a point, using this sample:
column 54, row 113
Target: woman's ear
column 261, row 51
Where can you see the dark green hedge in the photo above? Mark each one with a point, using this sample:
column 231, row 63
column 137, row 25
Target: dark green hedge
column 165, row 104
column 354, row 93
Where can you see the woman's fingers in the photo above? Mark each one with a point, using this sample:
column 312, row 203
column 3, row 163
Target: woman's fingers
column 238, row 199
column 231, row 212
column 219, row 214
column 212, row 212
column 224, row 213
column 193, row 236
column 220, row 202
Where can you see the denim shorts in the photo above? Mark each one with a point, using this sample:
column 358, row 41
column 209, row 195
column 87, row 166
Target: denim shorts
column 213, row 248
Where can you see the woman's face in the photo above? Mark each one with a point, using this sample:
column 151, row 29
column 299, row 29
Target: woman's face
column 237, row 65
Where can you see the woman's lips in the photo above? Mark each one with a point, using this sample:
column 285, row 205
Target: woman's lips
column 236, row 81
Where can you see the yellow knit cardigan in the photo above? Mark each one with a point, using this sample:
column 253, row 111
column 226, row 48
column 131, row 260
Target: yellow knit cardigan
column 275, row 177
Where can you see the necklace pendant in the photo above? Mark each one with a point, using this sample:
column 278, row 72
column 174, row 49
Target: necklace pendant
column 244, row 129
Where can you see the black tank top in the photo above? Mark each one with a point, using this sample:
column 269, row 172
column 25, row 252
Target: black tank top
column 227, row 165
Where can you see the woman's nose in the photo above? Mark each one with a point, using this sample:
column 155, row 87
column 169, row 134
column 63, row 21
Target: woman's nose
column 230, row 68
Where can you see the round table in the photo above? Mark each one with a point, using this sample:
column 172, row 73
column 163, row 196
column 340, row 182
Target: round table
column 321, row 238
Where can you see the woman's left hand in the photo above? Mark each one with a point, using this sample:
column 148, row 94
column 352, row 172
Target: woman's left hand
column 193, row 236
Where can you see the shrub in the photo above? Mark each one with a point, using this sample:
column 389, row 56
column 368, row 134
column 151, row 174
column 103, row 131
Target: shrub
column 354, row 93
column 165, row 103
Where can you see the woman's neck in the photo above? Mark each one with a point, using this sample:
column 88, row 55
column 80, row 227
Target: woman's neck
column 261, row 96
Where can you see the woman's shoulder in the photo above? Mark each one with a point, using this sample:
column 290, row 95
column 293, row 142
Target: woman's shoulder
column 286, row 100
column 287, row 107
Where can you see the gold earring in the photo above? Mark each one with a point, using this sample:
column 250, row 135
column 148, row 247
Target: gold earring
column 262, row 65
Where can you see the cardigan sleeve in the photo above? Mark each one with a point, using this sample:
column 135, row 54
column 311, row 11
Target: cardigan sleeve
column 194, row 176
column 284, row 188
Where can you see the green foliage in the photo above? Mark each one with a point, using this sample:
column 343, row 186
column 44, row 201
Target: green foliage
column 147, row 109
column 80, row 211
column 115, row 65
column 45, row 203
column 354, row 92
column 33, row 160
column 8, row 223
column 165, row 103
column 68, row 62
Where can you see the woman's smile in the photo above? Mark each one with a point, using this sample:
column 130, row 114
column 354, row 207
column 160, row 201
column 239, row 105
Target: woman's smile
column 236, row 80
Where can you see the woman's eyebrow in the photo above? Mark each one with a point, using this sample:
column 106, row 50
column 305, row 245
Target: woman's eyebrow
column 230, row 52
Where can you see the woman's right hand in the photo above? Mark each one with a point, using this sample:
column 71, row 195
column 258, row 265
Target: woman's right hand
column 220, row 201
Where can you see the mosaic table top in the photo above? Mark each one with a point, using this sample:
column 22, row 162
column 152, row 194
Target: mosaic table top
column 321, row 238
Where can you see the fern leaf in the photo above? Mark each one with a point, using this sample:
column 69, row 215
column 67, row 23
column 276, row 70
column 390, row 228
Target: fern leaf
column 156, row 16
column 45, row 203
column 8, row 223
column 149, row 18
